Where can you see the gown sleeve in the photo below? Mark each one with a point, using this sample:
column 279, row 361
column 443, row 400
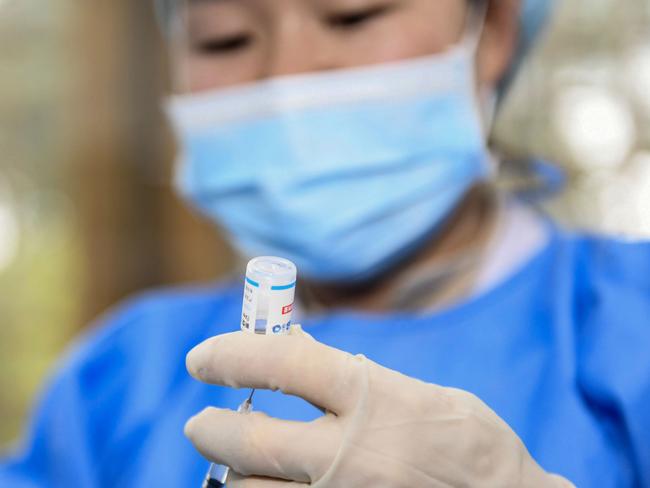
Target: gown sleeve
column 613, row 349
column 81, row 406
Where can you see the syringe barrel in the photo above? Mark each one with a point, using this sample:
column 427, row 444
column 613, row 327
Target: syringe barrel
column 269, row 292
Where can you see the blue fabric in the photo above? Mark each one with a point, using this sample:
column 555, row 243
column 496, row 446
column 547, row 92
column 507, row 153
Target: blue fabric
column 560, row 351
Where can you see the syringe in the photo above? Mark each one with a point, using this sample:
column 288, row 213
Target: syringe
column 218, row 474
column 269, row 291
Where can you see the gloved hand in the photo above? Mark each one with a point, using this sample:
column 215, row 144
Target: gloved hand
column 380, row 428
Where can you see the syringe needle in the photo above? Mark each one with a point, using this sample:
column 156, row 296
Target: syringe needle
column 250, row 397
column 217, row 474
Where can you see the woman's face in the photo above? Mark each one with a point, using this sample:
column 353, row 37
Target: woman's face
column 230, row 42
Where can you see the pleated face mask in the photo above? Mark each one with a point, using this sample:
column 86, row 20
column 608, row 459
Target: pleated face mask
column 342, row 172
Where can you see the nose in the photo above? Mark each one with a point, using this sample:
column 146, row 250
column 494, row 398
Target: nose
column 298, row 44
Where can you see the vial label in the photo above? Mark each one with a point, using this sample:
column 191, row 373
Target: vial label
column 249, row 307
column 270, row 315
column 280, row 309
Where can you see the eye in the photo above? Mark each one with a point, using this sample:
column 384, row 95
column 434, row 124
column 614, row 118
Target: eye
column 224, row 45
column 357, row 18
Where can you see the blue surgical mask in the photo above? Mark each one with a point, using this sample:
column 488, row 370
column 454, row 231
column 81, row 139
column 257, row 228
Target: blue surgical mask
column 343, row 172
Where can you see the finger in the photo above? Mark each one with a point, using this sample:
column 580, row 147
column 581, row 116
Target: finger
column 257, row 445
column 238, row 481
column 296, row 365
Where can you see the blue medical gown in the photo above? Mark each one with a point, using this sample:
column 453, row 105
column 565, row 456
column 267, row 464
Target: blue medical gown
column 561, row 351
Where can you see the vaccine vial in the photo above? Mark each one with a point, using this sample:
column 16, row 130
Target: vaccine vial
column 269, row 291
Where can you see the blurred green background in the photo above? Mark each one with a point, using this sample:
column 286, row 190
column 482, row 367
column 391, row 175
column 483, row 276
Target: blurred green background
column 87, row 215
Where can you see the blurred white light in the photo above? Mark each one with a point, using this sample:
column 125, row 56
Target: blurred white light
column 638, row 178
column 624, row 199
column 596, row 125
column 638, row 169
column 9, row 230
column 9, row 234
column 637, row 75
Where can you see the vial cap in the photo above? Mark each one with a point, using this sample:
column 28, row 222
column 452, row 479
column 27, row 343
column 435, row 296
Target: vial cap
column 271, row 271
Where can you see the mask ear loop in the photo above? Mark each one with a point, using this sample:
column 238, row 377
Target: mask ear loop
column 177, row 39
column 485, row 99
column 474, row 29
column 475, row 25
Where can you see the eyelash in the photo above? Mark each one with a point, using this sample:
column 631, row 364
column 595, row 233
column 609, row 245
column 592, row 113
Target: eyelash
column 342, row 21
column 354, row 19
column 225, row 45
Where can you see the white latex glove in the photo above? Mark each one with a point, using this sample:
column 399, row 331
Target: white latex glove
column 380, row 429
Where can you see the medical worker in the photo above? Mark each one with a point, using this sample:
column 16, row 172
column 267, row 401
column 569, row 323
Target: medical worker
column 451, row 336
